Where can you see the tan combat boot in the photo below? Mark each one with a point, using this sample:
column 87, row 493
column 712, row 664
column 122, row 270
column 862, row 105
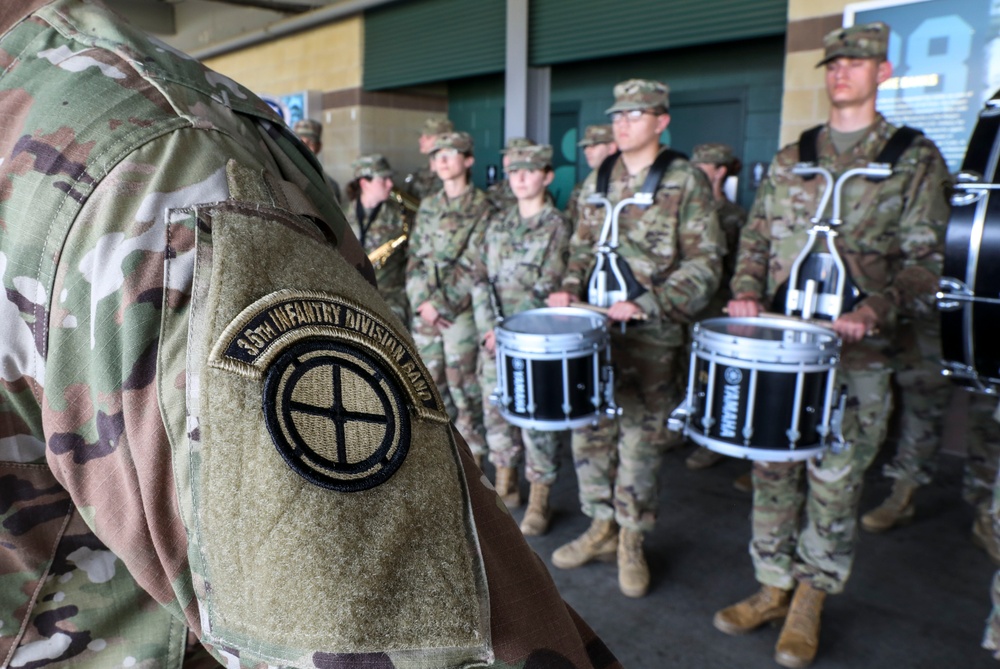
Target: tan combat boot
column 599, row 542
column 983, row 535
column 507, row 487
column 895, row 511
column 702, row 458
column 633, row 572
column 536, row 516
column 799, row 638
column 767, row 604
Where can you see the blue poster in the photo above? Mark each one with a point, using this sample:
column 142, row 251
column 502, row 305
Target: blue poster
column 946, row 64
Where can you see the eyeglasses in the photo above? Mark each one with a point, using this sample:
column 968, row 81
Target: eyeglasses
column 632, row 115
column 445, row 153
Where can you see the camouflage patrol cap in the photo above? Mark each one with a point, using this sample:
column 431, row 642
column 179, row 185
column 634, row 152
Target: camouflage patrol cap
column 534, row 157
column 517, row 143
column 370, row 166
column 437, row 126
column 640, row 94
column 460, row 141
column 308, row 128
column 597, row 134
column 712, row 154
column 867, row 40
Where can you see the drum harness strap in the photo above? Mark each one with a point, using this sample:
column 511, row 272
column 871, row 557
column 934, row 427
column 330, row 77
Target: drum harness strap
column 612, row 279
column 810, row 295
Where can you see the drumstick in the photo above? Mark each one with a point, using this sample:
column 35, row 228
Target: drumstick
column 812, row 321
column 642, row 316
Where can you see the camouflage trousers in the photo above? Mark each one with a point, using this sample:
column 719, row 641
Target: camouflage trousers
column 507, row 443
column 821, row 550
column 451, row 355
column 991, row 638
column 923, row 398
column 618, row 461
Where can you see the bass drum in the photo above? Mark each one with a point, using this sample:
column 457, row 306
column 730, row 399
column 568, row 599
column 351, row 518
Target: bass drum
column 553, row 369
column 969, row 294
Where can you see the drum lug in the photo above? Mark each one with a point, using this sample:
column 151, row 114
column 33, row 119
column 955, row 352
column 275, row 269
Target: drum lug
column 495, row 398
column 679, row 417
column 839, row 444
column 951, row 294
column 611, row 409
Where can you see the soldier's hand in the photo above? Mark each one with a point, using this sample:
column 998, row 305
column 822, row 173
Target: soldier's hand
column 428, row 313
column 855, row 325
column 490, row 342
column 744, row 308
column 624, row 311
column 560, row 299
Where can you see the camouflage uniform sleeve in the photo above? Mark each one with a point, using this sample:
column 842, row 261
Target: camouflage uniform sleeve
column 754, row 251
column 583, row 243
column 572, row 206
column 921, row 231
column 474, row 264
column 689, row 287
column 418, row 282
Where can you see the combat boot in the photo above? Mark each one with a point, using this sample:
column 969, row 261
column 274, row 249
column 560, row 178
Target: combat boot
column 895, row 511
column 633, row 572
column 536, row 516
column 702, row 458
column 767, row 604
column 599, row 542
column 983, row 535
column 507, row 487
column 799, row 637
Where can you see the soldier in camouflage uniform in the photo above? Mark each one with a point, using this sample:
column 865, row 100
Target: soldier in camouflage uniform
column 991, row 637
column 310, row 133
column 379, row 223
column 213, row 428
column 674, row 248
column 519, row 260
column 923, row 397
column 440, row 293
column 718, row 162
column 424, row 181
column 500, row 193
column 598, row 143
column 892, row 241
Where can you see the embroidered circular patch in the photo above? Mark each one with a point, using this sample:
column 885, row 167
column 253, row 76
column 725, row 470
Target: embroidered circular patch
column 336, row 415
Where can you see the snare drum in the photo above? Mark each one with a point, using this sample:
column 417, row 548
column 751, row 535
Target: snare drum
column 969, row 295
column 762, row 389
column 553, row 369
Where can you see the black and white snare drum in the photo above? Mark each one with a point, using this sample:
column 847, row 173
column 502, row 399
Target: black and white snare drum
column 969, row 295
column 553, row 369
column 762, row 389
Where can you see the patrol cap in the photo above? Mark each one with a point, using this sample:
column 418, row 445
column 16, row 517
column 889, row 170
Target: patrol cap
column 867, row 40
column 534, row 157
column 712, row 154
column 460, row 141
column 436, row 126
column 308, row 128
column 517, row 143
column 370, row 166
column 640, row 94
column 597, row 134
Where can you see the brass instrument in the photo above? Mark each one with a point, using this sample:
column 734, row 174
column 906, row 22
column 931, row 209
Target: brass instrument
column 410, row 204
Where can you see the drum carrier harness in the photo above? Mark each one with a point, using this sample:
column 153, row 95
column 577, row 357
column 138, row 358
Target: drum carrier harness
column 612, row 279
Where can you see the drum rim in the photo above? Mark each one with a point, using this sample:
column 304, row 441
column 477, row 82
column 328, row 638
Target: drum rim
column 760, row 454
column 528, row 342
column 749, row 349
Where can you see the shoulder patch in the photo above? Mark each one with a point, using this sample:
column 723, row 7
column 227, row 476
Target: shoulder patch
column 339, row 385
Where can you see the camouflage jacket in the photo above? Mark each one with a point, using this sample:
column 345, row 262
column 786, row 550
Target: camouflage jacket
column 572, row 211
column 501, row 195
column 892, row 237
column 194, row 371
column 674, row 246
column 390, row 272
column 441, row 234
column 523, row 260
column 423, row 183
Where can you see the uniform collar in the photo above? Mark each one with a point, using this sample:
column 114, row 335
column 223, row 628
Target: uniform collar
column 14, row 11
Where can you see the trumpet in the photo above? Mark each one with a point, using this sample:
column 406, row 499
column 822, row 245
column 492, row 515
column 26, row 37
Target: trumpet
column 410, row 204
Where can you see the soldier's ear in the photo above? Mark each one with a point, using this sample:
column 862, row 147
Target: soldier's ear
column 884, row 71
column 662, row 121
column 549, row 176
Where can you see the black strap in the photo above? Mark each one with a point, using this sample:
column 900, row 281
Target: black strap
column 653, row 178
column 890, row 153
column 364, row 222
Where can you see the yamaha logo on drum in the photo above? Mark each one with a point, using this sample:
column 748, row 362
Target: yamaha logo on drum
column 730, row 402
column 520, row 386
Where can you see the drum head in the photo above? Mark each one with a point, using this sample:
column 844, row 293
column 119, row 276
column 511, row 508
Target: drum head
column 564, row 330
column 768, row 339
